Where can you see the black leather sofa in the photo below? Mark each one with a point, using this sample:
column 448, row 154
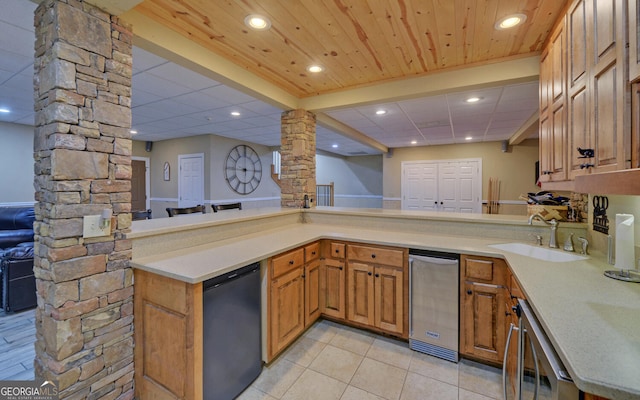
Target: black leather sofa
column 18, row 289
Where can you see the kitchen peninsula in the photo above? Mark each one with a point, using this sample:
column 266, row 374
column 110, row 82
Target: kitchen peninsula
column 586, row 316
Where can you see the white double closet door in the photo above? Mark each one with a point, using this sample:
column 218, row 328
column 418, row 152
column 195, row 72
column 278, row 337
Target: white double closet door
column 443, row 185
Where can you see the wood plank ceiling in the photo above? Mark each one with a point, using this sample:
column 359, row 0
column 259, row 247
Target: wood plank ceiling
column 358, row 42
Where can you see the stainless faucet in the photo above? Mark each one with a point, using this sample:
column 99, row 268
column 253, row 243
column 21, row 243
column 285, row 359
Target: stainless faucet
column 568, row 243
column 584, row 244
column 553, row 240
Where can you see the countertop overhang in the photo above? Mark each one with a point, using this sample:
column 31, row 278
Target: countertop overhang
column 592, row 321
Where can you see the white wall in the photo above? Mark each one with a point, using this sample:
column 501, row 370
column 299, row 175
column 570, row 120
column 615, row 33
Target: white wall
column 357, row 180
column 16, row 164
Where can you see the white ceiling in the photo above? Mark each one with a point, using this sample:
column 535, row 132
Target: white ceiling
column 170, row 101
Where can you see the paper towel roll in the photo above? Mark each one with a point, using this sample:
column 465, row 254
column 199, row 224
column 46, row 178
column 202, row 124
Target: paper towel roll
column 625, row 252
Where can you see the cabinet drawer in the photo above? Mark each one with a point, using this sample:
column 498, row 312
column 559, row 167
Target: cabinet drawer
column 483, row 269
column 311, row 251
column 286, row 262
column 337, row 250
column 376, row 255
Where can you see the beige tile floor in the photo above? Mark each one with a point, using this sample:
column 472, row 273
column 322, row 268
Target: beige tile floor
column 332, row 361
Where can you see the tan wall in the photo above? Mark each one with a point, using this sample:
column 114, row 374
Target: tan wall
column 515, row 169
column 215, row 150
column 16, row 163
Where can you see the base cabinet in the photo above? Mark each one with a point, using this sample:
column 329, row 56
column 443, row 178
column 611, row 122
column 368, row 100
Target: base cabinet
column 332, row 288
column 287, row 310
column 164, row 302
column 376, row 288
column 293, row 296
column 482, row 308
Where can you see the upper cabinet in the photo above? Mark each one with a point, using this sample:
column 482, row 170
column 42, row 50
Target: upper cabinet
column 634, row 42
column 553, row 122
column 585, row 95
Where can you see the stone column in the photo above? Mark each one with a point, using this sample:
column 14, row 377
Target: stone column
column 298, row 158
column 82, row 151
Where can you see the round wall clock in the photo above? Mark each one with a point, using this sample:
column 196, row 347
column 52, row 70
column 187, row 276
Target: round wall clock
column 243, row 169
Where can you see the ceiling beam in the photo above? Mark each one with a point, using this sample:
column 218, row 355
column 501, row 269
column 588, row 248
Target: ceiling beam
column 527, row 129
column 347, row 131
column 115, row 7
column 523, row 69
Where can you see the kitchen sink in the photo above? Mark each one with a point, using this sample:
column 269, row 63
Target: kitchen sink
column 538, row 252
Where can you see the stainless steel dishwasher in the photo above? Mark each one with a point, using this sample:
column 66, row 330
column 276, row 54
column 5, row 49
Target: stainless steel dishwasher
column 433, row 303
column 232, row 333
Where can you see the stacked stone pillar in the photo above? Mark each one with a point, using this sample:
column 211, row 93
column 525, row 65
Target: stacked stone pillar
column 298, row 158
column 82, row 151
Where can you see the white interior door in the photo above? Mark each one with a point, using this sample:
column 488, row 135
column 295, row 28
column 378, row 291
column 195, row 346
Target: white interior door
column 459, row 186
column 444, row 185
column 419, row 186
column 191, row 180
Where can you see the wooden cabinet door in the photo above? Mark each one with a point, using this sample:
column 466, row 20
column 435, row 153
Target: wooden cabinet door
column 389, row 298
column 553, row 140
column 558, row 105
column 634, row 43
column 635, row 125
column 360, row 293
column 332, row 288
column 609, row 89
column 286, row 314
column 482, row 321
column 311, row 292
column 578, row 126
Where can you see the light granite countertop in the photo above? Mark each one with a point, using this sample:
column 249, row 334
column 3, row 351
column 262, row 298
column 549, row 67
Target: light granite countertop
column 592, row 321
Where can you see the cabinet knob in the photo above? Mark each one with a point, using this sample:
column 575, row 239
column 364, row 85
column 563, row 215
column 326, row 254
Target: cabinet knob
column 369, row 273
column 337, row 251
column 340, row 268
column 373, row 256
column 290, row 262
column 377, row 275
column 313, row 253
column 303, row 276
column 469, row 292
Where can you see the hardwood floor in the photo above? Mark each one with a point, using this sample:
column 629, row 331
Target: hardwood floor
column 17, row 336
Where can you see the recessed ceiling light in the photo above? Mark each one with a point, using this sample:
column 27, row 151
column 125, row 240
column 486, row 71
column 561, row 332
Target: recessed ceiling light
column 133, row 131
column 257, row 22
column 468, row 138
column 414, row 142
column 381, row 112
column 473, row 99
column 315, row 69
column 335, row 146
column 235, row 113
column 4, row 110
column 510, row 21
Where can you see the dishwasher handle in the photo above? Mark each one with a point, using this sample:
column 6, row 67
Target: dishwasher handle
column 230, row 276
column 432, row 260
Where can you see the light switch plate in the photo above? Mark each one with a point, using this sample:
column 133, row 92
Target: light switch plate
column 91, row 227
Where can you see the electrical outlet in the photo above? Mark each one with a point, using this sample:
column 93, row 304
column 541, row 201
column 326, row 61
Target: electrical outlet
column 91, row 227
